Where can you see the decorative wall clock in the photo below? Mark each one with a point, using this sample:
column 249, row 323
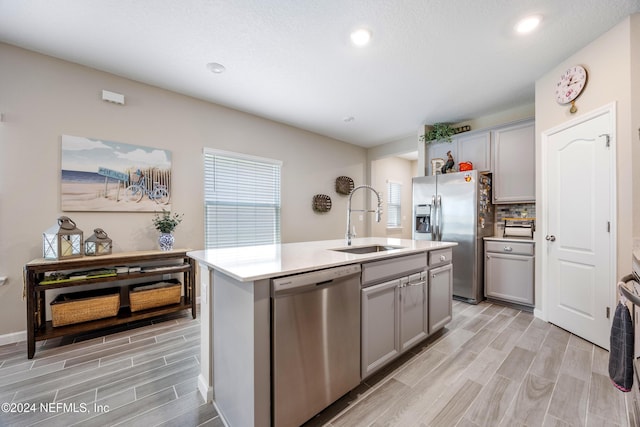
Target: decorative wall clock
column 571, row 85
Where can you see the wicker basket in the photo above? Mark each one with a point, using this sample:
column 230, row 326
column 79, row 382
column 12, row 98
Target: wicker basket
column 151, row 295
column 79, row 307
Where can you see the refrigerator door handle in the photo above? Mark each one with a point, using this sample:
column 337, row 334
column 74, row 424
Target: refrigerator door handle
column 439, row 204
column 434, row 210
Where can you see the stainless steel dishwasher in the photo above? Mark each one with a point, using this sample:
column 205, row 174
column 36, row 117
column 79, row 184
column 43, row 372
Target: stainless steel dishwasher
column 315, row 341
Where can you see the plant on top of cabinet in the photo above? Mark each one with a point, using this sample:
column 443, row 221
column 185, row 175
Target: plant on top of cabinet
column 438, row 132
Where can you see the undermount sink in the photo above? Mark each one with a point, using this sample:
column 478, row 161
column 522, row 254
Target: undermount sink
column 367, row 249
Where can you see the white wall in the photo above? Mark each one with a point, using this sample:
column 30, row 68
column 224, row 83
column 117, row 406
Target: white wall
column 635, row 125
column 42, row 98
column 496, row 119
column 607, row 60
column 397, row 170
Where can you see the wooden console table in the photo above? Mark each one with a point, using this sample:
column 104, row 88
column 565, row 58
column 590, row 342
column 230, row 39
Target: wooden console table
column 154, row 266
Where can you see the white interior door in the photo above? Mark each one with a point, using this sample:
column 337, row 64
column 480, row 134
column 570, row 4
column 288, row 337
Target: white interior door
column 580, row 195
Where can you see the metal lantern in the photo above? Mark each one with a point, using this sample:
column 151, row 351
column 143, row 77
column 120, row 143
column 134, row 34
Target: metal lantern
column 98, row 244
column 62, row 240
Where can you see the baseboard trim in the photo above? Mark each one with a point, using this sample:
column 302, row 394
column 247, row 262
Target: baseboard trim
column 205, row 391
column 13, row 337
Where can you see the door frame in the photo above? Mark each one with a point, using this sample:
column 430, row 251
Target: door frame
column 542, row 252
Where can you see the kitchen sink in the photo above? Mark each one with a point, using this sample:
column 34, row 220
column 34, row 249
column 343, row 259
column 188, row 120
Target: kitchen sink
column 367, row 249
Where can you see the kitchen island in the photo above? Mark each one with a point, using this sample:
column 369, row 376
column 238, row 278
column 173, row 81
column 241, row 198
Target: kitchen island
column 235, row 298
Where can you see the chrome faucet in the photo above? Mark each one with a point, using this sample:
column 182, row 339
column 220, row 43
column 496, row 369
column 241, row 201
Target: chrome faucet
column 378, row 211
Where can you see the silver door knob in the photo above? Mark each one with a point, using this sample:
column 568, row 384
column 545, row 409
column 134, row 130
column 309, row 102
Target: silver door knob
column 551, row 238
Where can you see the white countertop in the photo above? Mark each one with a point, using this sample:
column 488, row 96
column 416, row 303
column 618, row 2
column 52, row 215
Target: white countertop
column 251, row 263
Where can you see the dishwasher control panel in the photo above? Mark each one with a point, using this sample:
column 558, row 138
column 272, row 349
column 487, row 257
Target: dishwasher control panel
column 313, row 278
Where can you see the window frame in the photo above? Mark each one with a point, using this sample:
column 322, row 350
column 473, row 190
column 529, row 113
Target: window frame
column 394, row 207
column 220, row 203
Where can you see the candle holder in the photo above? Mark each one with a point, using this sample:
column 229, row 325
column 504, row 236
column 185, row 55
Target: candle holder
column 98, row 243
column 63, row 240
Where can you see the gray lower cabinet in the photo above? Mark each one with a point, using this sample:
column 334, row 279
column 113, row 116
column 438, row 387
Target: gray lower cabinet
column 397, row 314
column 380, row 325
column 509, row 271
column 394, row 319
column 440, row 291
column 413, row 311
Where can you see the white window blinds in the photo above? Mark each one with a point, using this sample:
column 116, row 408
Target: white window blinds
column 394, row 196
column 242, row 200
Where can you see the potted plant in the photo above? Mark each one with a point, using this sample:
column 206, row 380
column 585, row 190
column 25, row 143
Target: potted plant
column 165, row 223
column 438, row 132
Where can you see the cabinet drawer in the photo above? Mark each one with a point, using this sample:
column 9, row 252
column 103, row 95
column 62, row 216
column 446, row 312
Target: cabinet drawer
column 515, row 248
column 440, row 257
column 377, row 271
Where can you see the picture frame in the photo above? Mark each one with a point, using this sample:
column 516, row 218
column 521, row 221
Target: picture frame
column 101, row 175
column 436, row 166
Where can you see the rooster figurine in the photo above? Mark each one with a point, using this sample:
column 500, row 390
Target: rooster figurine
column 449, row 165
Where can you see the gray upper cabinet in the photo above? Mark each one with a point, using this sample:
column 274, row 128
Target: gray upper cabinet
column 475, row 148
column 514, row 163
column 438, row 150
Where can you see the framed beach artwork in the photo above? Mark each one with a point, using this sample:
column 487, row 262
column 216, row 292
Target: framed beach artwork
column 100, row 175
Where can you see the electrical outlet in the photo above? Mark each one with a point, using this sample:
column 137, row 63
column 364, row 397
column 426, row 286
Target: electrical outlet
column 166, row 276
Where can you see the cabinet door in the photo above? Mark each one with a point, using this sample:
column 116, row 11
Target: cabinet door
column 380, row 326
column 413, row 313
column 514, row 164
column 509, row 277
column 438, row 150
column 440, row 289
column 475, row 148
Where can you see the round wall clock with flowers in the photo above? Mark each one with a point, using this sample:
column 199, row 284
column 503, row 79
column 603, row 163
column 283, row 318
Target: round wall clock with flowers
column 570, row 86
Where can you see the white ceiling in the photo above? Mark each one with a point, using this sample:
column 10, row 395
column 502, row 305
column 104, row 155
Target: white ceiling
column 292, row 61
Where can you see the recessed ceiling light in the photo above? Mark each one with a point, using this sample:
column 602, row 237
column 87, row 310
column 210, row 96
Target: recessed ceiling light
column 214, row 67
column 361, row 37
column 528, row 24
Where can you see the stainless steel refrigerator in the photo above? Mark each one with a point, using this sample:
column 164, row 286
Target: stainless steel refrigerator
column 456, row 207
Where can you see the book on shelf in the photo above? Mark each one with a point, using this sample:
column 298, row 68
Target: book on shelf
column 135, row 269
column 78, row 275
column 122, row 269
column 163, row 267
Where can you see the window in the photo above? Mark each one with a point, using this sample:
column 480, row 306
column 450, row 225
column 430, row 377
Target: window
column 394, row 195
column 242, row 200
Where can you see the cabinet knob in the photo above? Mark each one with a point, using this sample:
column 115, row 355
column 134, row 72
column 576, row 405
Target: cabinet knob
column 508, row 249
column 443, row 258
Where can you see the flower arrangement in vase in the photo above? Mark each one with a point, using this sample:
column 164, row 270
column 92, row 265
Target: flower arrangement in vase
column 165, row 223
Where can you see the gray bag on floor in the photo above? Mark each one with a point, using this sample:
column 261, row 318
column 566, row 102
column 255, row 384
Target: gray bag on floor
column 621, row 353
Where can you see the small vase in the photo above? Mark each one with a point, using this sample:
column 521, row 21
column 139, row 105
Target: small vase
column 166, row 241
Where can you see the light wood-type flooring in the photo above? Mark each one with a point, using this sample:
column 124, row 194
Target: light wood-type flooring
column 491, row 366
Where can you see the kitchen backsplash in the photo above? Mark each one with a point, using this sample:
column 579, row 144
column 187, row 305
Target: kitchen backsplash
column 524, row 210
